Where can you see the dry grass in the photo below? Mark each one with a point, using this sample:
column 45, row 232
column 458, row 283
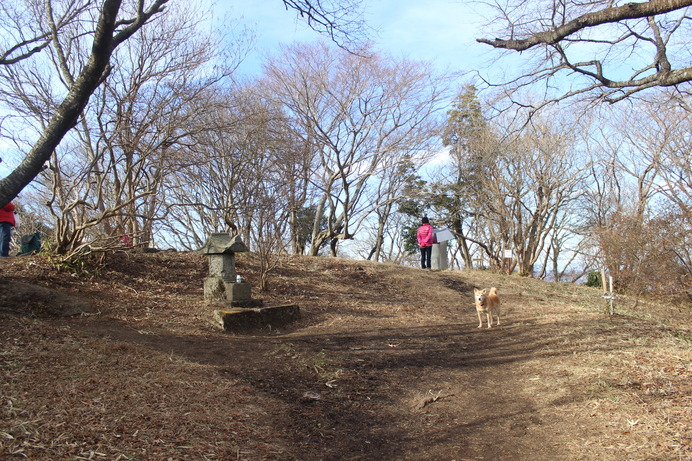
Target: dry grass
column 386, row 363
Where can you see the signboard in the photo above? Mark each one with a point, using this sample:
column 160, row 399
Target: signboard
column 443, row 235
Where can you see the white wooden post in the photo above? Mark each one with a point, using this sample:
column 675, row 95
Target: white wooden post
column 609, row 295
column 612, row 295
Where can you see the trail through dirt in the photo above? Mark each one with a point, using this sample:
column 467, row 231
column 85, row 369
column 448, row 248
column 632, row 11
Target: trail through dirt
column 385, row 364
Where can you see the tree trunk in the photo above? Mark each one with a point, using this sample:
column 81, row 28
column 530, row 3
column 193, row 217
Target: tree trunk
column 67, row 113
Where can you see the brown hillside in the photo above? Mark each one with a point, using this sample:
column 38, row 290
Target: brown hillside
column 385, row 364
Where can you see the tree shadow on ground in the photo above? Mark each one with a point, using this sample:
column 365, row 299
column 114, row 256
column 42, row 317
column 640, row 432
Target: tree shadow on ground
column 368, row 381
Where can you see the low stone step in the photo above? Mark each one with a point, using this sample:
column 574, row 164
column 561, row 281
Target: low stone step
column 241, row 319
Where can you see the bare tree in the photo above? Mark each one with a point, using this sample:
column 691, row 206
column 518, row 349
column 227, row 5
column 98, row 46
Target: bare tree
column 105, row 181
column 671, row 149
column 390, row 186
column 523, row 184
column 641, row 236
column 293, row 154
column 340, row 20
column 26, row 35
column 112, row 28
column 152, row 113
column 23, row 36
column 229, row 167
column 271, row 218
column 357, row 113
column 594, row 42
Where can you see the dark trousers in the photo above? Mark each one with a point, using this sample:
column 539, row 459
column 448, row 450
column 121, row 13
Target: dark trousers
column 5, row 238
column 425, row 256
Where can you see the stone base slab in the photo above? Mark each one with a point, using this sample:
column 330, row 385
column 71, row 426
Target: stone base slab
column 244, row 319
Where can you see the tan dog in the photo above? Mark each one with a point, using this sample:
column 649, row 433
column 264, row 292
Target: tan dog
column 488, row 303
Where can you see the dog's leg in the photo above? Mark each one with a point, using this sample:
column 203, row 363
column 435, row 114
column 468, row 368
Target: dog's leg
column 490, row 319
column 480, row 319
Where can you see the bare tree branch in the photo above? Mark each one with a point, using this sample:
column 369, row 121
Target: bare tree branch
column 29, row 39
column 340, row 20
column 640, row 36
column 106, row 39
column 604, row 16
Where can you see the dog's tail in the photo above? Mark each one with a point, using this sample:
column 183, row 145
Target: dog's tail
column 493, row 291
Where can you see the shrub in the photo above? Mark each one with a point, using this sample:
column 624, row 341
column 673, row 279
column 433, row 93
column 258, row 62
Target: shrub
column 594, row 280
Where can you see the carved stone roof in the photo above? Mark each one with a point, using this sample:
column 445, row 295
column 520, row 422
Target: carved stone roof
column 222, row 243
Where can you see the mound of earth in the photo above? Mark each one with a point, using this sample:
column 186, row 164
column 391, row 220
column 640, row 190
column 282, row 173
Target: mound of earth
column 38, row 301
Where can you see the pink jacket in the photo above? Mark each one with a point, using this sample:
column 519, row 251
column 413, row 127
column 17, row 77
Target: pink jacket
column 425, row 235
column 7, row 214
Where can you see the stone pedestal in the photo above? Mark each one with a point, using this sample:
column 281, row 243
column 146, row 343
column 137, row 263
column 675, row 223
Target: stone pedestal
column 238, row 291
column 238, row 294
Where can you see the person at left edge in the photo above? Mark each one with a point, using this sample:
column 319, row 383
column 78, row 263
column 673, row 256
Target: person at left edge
column 7, row 222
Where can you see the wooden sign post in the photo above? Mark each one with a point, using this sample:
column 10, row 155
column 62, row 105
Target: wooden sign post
column 606, row 294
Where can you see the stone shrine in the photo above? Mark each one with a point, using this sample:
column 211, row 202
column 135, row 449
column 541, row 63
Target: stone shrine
column 223, row 288
column 221, row 285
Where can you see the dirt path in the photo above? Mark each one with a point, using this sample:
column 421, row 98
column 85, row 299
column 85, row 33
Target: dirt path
column 399, row 392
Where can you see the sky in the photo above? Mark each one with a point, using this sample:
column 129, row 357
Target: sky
column 440, row 31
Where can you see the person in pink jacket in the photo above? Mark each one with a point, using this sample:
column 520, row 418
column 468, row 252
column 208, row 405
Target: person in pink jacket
column 425, row 241
column 7, row 222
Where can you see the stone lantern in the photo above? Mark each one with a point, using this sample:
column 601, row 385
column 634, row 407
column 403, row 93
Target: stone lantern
column 221, row 286
column 238, row 311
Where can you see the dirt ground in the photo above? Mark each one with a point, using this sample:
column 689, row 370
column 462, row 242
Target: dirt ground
column 386, row 363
